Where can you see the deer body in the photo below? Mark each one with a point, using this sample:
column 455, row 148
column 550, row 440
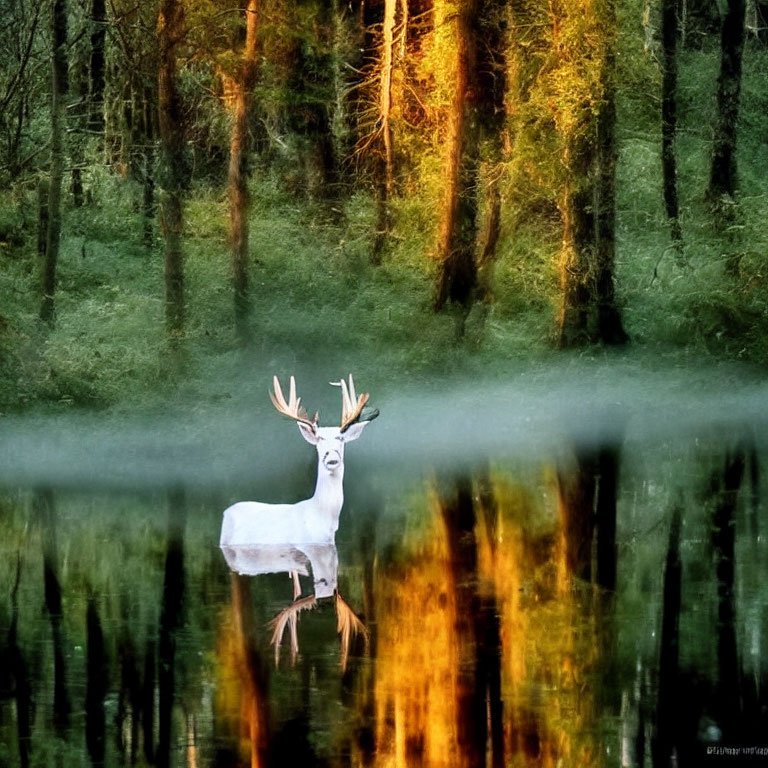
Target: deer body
column 314, row 520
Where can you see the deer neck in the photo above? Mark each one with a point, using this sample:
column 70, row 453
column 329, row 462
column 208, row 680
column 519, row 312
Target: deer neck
column 329, row 491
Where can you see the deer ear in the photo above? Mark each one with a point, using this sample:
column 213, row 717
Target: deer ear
column 309, row 434
column 353, row 431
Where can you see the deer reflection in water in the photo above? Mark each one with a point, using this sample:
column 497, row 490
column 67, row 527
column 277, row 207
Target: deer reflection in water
column 261, row 538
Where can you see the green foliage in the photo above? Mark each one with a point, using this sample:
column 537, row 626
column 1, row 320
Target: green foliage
column 716, row 302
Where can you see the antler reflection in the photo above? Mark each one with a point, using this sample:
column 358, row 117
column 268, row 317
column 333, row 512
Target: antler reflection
column 289, row 617
column 348, row 625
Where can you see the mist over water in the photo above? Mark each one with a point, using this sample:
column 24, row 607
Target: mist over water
column 531, row 413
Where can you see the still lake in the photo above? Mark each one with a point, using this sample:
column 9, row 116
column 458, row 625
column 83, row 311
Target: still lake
column 562, row 575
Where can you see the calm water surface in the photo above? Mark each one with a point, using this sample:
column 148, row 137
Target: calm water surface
column 603, row 603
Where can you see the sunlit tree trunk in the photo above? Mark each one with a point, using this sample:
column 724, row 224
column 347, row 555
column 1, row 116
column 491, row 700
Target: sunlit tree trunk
column 492, row 76
column 169, row 31
column 457, row 268
column 722, row 179
column 385, row 163
column 589, row 312
column 59, row 89
column 669, row 118
column 238, row 170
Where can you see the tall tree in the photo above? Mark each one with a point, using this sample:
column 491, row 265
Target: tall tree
column 393, row 31
column 609, row 327
column 457, row 267
column 584, row 101
column 722, row 178
column 97, row 65
column 238, row 168
column 669, row 35
column 59, row 89
column 170, row 29
column 492, row 75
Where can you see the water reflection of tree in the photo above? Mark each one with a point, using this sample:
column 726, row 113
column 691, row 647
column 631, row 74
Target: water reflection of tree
column 45, row 506
column 170, row 623
column 243, row 699
column 478, row 613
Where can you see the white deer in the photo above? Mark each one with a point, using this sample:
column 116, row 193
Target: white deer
column 268, row 538
column 314, row 520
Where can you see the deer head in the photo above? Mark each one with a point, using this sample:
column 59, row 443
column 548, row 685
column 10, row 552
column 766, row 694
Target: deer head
column 329, row 441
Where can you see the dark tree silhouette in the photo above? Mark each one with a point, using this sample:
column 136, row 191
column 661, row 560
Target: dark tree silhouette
column 59, row 89
column 170, row 28
column 666, row 709
column 722, row 178
column 669, row 36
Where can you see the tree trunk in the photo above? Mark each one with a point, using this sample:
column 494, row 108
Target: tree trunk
column 577, row 252
column 587, row 201
column 238, row 171
column 669, row 119
column 457, row 268
column 722, row 180
column 96, row 94
column 609, row 328
column 492, row 76
column 169, row 30
column 59, row 88
column 385, row 163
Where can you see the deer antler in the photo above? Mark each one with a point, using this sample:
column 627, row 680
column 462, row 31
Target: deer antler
column 351, row 404
column 293, row 408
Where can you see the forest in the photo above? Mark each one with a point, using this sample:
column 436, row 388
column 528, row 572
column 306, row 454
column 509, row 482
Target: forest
column 193, row 189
